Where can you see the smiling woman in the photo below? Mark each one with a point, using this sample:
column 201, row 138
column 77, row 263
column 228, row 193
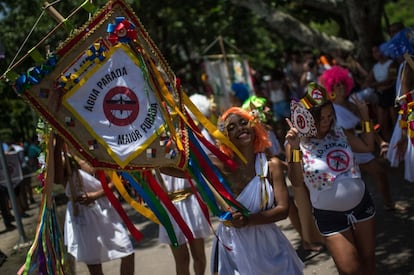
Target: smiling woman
column 234, row 117
column 259, row 184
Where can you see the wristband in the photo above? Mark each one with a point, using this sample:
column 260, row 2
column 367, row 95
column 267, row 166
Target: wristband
column 295, row 156
column 367, row 126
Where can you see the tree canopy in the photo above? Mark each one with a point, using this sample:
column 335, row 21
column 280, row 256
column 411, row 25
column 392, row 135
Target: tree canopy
column 185, row 31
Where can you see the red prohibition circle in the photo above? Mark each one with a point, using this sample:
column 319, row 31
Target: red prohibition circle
column 300, row 121
column 317, row 94
column 338, row 160
column 121, row 106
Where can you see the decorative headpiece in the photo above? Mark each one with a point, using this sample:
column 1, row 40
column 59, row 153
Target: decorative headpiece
column 257, row 107
column 301, row 118
column 315, row 95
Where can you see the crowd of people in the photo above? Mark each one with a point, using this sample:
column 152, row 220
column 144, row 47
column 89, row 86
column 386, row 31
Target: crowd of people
column 314, row 177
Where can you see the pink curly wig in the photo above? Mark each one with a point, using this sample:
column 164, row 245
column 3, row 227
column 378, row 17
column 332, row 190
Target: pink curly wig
column 334, row 76
column 261, row 141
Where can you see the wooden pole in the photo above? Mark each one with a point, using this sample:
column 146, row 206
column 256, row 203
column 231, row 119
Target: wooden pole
column 53, row 12
column 12, row 67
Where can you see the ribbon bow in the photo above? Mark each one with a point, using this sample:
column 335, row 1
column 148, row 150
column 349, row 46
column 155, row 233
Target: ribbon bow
column 122, row 31
column 96, row 52
column 34, row 75
column 68, row 81
column 22, row 83
column 26, row 80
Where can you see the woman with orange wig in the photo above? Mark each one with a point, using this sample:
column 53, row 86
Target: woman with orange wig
column 253, row 244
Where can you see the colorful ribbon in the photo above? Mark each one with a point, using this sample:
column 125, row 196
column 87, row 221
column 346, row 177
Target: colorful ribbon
column 47, row 251
column 118, row 207
column 153, row 203
column 137, row 206
column 214, row 176
column 163, row 196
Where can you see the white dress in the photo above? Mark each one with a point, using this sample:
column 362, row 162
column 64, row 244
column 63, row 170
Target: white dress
column 189, row 209
column 259, row 249
column 96, row 234
column 396, row 136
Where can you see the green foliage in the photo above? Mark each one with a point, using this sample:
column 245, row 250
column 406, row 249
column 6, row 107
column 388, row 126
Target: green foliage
column 400, row 11
column 330, row 27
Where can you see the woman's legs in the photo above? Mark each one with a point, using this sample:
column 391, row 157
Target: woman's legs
column 128, row 265
column 365, row 241
column 182, row 259
column 312, row 239
column 199, row 256
column 344, row 252
column 95, row 269
column 353, row 251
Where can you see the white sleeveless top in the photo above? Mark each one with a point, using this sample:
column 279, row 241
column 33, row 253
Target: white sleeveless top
column 327, row 160
column 380, row 70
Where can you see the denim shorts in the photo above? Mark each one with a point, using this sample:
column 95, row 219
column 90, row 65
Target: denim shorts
column 332, row 222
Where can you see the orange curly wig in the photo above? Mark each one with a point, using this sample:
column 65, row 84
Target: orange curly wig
column 261, row 140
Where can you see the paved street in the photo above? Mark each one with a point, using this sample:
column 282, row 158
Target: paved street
column 395, row 241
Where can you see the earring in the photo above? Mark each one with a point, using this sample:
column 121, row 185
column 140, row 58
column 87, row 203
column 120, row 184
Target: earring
column 332, row 96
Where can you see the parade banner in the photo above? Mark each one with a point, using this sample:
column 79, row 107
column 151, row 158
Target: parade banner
column 108, row 91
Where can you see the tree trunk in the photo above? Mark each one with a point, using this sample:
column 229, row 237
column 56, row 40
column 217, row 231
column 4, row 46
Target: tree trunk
column 363, row 18
column 366, row 19
column 289, row 27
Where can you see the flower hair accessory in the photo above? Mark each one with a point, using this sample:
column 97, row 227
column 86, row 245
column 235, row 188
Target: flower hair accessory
column 257, row 107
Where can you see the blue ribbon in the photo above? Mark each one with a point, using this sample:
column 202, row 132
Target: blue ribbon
column 196, row 143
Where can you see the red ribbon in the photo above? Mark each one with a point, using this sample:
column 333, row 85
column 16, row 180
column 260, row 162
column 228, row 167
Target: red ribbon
column 118, row 207
column 211, row 147
column 163, row 196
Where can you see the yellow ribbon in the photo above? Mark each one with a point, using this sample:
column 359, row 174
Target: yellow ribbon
column 137, row 206
column 168, row 97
